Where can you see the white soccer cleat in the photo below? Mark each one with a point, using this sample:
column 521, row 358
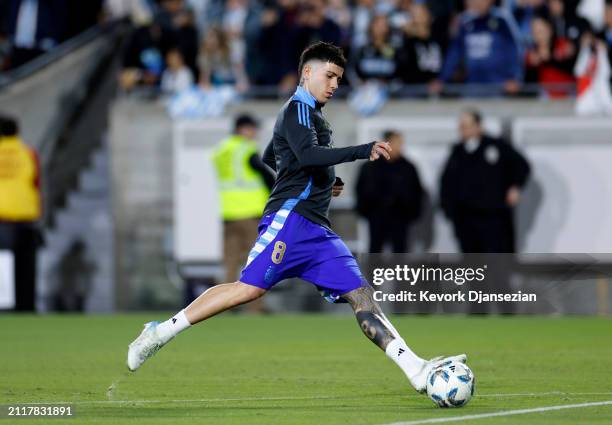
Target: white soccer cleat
column 146, row 345
column 419, row 381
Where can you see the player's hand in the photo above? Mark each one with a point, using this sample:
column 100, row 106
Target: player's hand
column 513, row 196
column 380, row 149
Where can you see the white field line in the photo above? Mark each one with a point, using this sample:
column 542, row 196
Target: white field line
column 503, row 413
column 216, row 400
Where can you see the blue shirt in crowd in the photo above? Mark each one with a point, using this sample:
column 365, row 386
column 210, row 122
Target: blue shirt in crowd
column 489, row 47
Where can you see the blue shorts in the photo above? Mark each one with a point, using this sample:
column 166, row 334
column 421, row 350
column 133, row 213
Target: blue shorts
column 290, row 245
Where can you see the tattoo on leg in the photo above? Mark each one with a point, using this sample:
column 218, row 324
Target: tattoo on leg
column 370, row 317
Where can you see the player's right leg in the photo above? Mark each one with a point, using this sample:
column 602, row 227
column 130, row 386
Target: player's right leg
column 262, row 271
column 214, row 301
column 381, row 332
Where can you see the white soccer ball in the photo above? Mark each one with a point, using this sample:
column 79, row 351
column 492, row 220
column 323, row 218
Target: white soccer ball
column 451, row 384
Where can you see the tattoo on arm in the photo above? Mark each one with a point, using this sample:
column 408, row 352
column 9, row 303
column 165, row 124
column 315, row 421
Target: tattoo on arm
column 370, row 317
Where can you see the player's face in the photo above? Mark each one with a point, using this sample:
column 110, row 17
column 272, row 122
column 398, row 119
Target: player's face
column 322, row 79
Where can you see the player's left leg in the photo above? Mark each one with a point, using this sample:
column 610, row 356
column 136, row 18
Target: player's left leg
column 381, row 332
column 335, row 272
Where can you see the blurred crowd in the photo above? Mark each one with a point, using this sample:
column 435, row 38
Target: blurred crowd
column 30, row 28
column 254, row 43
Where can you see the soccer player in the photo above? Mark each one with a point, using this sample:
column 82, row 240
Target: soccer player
column 295, row 239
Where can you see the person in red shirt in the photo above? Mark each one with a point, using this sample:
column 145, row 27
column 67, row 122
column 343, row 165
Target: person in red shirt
column 550, row 60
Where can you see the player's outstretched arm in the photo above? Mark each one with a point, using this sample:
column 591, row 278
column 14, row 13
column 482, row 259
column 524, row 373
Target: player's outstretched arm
column 302, row 139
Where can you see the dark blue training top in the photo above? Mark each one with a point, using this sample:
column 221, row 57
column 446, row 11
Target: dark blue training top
column 302, row 155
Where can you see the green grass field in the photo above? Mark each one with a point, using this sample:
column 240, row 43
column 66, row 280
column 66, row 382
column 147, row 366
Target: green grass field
column 302, row 369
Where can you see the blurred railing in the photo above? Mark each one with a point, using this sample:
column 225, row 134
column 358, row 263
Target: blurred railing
column 412, row 91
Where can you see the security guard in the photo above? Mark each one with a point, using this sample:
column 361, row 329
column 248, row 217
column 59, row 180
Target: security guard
column 20, row 208
column 244, row 184
column 481, row 185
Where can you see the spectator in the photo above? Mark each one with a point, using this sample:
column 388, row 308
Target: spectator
column 442, row 14
column 566, row 24
column 362, row 15
column 35, row 27
column 401, row 15
column 234, row 16
column 172, row 14
column 480, row 187
column 593, row 73
column 176, row 77
column 339, row 12
column 176, row 19
column 550, row 60
column 213, row 12
column 253, row 61
column 217, row 67
column 377, row 59
column 20, row 209
column 138, row 11
column 316, row 26
column 523, row 12
column 244, row 184
column 201, row 10
column 481, row 184
column 233, row 26
column 277, row 45
column 143, row 61
column 489, row 46
column 389, row 196
column 422, row 53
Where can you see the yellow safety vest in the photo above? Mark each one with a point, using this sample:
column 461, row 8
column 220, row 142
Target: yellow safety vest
column 243, row 191
column 19, row 196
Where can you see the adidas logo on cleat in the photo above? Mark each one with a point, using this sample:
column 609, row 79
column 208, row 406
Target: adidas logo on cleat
column 173, row 320
column 401, row 350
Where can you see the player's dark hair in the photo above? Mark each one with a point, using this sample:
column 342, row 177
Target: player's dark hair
column 389, row 134
column 8, row 126
column 322, row 51
column 475, row 114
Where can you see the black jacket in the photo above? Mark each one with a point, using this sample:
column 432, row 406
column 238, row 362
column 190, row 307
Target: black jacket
column 478, row 181
column 389, row 188
column 302, row 155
